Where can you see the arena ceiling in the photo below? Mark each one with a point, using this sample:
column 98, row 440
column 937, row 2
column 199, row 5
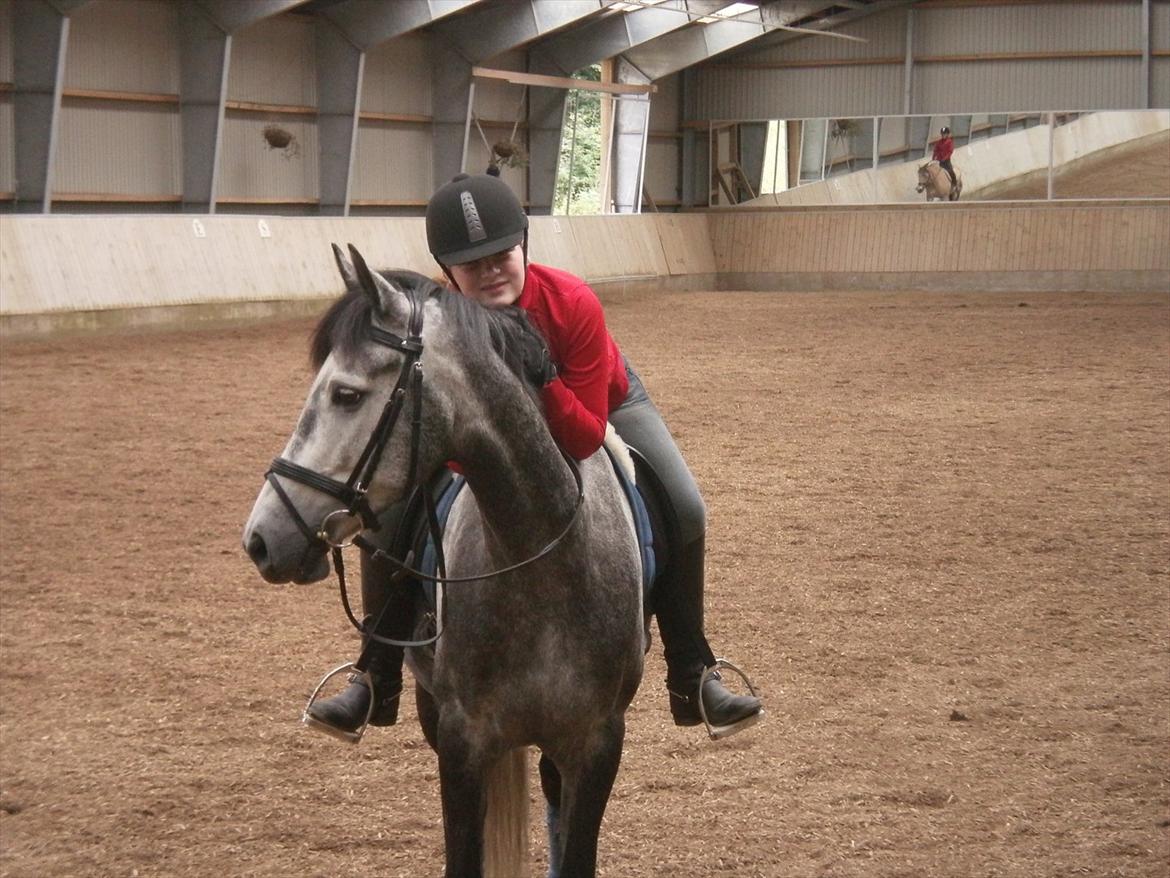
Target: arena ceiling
column 656, row 37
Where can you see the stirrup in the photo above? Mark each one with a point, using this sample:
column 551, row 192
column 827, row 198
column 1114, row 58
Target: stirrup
column 730, row 729
column 341, row 734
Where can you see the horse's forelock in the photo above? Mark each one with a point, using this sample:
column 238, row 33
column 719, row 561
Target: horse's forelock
column 346, row 325
column 343, row 327
column 506, row 331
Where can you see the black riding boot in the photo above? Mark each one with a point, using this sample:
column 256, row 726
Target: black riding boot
column 391, row 599
column 678, row 601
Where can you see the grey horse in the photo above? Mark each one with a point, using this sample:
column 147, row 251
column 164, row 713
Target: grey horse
column 548, row 655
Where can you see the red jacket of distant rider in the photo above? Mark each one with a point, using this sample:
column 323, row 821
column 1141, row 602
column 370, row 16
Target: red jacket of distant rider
column 591, row 373
column 943, row 149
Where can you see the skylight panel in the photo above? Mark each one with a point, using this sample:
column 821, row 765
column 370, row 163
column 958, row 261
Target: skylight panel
column 735, row 9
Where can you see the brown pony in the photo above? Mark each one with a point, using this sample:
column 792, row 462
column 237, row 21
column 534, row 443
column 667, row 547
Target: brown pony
column 933, row 180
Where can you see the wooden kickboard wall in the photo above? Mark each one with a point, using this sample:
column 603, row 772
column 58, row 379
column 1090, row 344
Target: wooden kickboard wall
column 1025, row 237
column 69, row 265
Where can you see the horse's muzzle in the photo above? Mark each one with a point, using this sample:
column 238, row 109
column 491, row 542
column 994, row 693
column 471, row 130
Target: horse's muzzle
column 312, row 564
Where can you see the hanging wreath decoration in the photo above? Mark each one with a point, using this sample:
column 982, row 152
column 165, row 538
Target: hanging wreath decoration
column 276, row 137
column 509, row 152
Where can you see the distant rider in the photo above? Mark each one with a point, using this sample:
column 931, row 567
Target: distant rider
column 944, row 148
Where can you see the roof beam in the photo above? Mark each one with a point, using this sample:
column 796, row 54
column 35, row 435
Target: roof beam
column 366, row 23
column 231, row 15
column 500, row 26
column 691, row 45
column 614, row 34
column 832, row 21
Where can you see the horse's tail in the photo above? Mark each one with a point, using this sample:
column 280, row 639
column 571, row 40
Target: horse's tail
column 505, row 831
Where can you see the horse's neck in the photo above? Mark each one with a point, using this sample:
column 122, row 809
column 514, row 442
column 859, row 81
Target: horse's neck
column 523, row 485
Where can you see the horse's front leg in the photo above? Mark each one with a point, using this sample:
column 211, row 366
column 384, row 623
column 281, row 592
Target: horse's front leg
column 461, row 783
column 586, row 784
column 550, row 784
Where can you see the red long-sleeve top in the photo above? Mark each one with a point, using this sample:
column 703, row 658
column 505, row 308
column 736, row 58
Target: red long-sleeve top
column 591, row 374
column 943, row 149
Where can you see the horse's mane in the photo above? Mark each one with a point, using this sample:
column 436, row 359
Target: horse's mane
column 507, row 331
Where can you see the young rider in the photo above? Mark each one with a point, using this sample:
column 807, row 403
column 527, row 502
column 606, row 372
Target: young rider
column 944, row 148
column 478, row 233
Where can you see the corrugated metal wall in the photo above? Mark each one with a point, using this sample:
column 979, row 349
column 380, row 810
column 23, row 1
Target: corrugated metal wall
column 393, row 159
column 108, row 147
column 398, row 77
column 975, row 81
column 273, row 62
column 664, row 148
column 7, row 128
column 726, row 90
column 133, row 147
column 119, row 46
column 1160, row 66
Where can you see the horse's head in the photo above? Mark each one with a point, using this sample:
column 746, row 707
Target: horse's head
column 354, row 448
column 923, row 177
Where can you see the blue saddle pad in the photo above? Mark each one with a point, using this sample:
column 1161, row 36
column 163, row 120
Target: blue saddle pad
column 428, row 563
column 642, row 528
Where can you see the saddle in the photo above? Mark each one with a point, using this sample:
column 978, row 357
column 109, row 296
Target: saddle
column 644, row 495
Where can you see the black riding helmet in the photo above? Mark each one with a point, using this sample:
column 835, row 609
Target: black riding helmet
column 472, row 217
column 946, row 130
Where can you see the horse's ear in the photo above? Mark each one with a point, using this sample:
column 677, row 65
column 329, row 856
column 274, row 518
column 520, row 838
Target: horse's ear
column 345, row 268
column 387, row 300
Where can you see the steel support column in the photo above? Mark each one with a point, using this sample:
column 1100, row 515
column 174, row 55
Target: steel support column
column 340, row 65
column 632, row 122
column 40, row 40
column 204, row 59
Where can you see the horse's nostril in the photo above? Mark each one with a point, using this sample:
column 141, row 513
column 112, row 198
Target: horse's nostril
column 257, row 550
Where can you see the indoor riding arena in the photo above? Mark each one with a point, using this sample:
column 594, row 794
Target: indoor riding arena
column 933, row 440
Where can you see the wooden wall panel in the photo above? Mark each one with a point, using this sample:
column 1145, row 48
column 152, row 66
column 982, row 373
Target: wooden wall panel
column 66, row 265
column 1025, row 237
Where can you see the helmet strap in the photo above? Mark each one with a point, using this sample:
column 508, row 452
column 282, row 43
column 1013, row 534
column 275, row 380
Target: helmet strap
column 450, row 277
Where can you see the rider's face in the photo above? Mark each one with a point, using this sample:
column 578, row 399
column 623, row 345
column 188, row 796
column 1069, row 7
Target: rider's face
column 495, row 280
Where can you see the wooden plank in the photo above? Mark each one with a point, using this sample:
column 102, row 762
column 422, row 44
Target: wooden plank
column 808, row 62
column 517, row 78
column 1096, row 234
column 960, row 4
column 810, row 232
column 880, row 239
column 114, row 197
column 285, row 109
column 386, row 202
column 243, row 199
column 1027, row 56
column 129, row 96
column 829, row 241
column 395, row 117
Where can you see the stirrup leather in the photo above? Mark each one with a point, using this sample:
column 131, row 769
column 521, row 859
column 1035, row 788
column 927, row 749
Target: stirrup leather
column 341, row 734
column 730, row 729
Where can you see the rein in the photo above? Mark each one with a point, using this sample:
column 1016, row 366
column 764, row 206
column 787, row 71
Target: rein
column 343, row 527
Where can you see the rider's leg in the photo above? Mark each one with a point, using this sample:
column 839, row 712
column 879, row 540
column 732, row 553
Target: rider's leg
column 390, row 599
column 678, row 593
column 946, row 166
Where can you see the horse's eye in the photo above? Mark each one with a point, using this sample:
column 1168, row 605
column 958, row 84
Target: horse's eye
column 346, row 396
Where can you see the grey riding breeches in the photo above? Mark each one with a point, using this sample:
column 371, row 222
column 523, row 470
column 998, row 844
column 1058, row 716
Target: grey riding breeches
column 640, row 424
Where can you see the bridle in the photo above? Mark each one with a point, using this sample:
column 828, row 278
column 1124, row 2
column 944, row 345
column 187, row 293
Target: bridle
column 343, row 527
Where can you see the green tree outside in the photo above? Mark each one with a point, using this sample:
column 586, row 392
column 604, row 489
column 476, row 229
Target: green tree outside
column 577, row 190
